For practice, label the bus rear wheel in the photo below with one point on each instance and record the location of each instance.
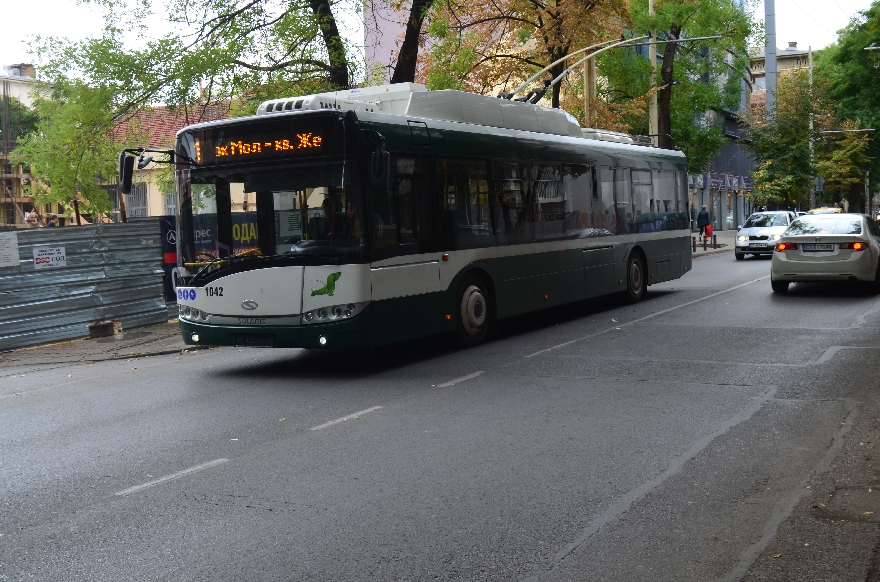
(474, 313)
(635, 278)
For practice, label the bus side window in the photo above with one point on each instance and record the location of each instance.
(622, 201)
(550, 199)
(383, 222)
(681, 201)
(577, 181)
(508, 203)
(665, 196)
(412, 192)
(604, 214)
(464, 187)
(403, 169)
(643, 203)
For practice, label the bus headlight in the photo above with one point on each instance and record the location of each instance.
(333, 313)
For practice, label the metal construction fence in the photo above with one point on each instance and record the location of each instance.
(54, 282)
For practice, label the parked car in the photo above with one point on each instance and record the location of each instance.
(827, 247)
(760, 232)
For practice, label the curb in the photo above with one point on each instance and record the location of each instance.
(707, 253)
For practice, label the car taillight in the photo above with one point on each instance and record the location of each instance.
(786, 247)
(854, 246)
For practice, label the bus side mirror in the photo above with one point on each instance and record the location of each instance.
(126, 172)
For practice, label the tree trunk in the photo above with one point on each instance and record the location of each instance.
(664, 97)
(855, 198)
(407, 58)
(338, 73)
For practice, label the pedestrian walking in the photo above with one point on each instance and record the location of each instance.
(703, 220)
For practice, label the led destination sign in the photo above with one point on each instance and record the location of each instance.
(241, 148)
(264, 140)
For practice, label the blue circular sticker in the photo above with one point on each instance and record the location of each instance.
(192, 294)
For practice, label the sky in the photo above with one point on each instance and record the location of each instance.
(807, 22)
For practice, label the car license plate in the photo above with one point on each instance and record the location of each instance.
(757, 245)
(814, 248)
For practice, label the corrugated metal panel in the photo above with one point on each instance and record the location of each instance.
(114, 271)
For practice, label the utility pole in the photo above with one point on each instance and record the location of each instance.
(653, 123)
(813, 191)
(770, 53)
(589, 91)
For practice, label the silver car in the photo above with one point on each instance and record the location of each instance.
(827, 247)
(760, 232)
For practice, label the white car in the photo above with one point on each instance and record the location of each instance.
(760, 232)
(827, 247)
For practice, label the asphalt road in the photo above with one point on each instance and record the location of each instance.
(714, 431)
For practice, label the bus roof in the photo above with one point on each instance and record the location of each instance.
(415, 101)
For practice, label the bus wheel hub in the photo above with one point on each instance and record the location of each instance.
(473, 310)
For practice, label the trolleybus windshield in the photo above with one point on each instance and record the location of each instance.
(297, 209)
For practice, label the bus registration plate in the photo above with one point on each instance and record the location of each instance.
(818, 248)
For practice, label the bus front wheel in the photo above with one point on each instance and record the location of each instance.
(474, 314)
(635, 278)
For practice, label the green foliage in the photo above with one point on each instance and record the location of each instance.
(451, 57)
(853, 77)
(844, 158)
(72, 151)
(701, 77)
(22, 121)
(780, 143)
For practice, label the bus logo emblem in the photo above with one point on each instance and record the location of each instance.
(330, 288)
(249, 304)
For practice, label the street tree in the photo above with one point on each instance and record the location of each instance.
(16, 120)
(694, 79)
(780, 140)
(483, 47)
(843, 159)
(72, 150)
(852, 75)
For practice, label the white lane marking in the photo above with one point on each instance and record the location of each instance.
(344, 418)
(171, 477)
(457, 380)
(604, 331)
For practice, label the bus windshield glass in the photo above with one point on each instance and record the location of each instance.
(297, 211)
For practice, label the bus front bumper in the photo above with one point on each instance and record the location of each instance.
(345, 335)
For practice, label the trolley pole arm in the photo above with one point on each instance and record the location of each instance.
(505, 95)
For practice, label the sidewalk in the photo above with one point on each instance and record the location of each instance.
(151, 340)
(724, 238)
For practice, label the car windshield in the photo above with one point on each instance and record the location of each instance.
(760, 220)
(825, 224)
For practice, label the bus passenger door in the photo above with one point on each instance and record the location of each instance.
(598, 271)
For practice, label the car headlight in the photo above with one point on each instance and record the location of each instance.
(775, 236)
(742, 238)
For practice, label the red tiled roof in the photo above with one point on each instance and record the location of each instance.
(157, 127)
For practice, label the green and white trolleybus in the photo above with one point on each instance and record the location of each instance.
(360, 218)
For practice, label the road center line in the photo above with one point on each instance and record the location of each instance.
(641, 319)
(171, 477)
(457, 380)
(344, 418)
